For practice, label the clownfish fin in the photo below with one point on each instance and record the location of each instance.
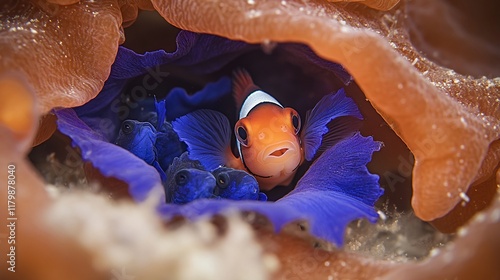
(161, 112)
(207, 134)
(330, 107)
(242, 86)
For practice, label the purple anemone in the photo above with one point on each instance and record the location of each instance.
(336, 189)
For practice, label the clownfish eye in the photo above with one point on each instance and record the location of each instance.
(182, 177)
(128, 127)
(242, 135)
(296, 121)
(223, 180)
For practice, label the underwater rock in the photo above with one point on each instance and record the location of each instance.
(472, 255)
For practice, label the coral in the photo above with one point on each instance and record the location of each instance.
(447, 120)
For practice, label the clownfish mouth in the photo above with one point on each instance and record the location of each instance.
(278, 152)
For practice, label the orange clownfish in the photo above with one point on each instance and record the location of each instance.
(271, 141)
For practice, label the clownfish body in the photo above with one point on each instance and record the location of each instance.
(271, 141)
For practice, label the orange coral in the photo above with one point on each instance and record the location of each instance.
(447, 120)
(31, 201)
(383, 5)
(451, 122)
(16, 106)
(77, 55)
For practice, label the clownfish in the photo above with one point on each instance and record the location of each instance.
(271, 141)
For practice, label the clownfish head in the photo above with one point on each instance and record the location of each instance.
(269, 143)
